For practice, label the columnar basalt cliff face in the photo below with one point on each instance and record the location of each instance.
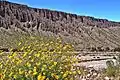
(85, 31)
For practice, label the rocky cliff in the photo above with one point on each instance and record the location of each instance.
(84, 31)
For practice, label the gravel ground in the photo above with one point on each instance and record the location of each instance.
(95, 62)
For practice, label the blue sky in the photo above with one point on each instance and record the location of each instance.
(106, 9)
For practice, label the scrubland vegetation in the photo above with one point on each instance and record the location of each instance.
(43, 58)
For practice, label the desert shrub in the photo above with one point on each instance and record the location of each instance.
(93, 49)
(117, 49)
(118, 65)
(118, 60)
(99, 49)
(41, 59)
(112, 69)
(107, 49)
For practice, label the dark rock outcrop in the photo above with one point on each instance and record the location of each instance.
(48, 20)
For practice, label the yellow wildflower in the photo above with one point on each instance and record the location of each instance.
(20, 71)
(79, 72)
(56, 77)
(38, 64)
(35, 73)
(43, 77)
(47, 79)
(28, 64)
(42, 69)
(40, 77)
(34, 69)
(55, 63)
(29, 71)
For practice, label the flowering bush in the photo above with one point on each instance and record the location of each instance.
(40, 59)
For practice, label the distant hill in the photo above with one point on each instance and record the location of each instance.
(84, 32)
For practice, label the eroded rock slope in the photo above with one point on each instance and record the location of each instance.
(83, 31)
